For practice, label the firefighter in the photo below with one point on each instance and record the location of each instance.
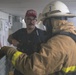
(58, 55)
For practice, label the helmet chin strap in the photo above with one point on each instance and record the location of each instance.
(49, 30)
(48, 25)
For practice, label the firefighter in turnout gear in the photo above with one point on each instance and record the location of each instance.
(57, 55)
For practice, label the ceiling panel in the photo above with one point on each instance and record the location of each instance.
(19, 7)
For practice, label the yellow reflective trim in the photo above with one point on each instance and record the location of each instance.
(15, 56)
(69, 69)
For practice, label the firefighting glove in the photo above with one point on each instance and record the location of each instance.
(3, 51)
(6, 49)
(1, 54)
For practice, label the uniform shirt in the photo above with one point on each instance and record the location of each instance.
(29, 43)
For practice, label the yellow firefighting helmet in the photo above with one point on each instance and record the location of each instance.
(55, 9)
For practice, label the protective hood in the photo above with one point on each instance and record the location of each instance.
(63, 25)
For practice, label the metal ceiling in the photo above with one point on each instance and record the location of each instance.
(19, 7)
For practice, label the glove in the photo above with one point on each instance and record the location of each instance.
(1, 54)
(3, 51)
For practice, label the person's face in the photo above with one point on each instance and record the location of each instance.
(49, 24)
(30, 21)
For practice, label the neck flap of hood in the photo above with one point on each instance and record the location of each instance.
(63, 25)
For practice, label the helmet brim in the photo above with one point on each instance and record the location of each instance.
(68, 15)
(62, 14)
